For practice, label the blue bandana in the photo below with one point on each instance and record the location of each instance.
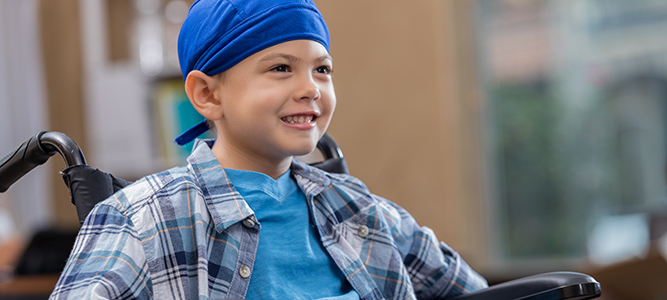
(218, 34)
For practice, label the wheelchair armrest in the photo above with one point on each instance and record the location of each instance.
(88, 186)
(551, 286)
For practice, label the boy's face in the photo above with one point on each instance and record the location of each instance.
(278, 102)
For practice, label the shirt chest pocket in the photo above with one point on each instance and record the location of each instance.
(367, 234)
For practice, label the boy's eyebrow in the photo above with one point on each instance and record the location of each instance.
(292, 58)
(325, 57)
(277, 56)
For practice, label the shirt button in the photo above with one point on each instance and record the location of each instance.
(363, 231)
(248, 222)
(244, 272)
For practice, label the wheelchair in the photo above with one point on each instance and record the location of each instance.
(88, 186)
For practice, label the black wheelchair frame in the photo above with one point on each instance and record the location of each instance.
(88, 186)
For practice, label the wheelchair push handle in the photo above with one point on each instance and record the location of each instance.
(36, 151)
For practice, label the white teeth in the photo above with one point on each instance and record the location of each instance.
(298, 119)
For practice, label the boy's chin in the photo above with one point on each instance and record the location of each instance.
(300, 148)
(304, 151)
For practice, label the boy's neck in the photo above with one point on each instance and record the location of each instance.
(233, 158)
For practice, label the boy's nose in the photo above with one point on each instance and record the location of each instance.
(308, 90)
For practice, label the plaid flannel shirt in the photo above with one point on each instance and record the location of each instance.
(186, 233)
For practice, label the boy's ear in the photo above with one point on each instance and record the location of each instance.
(200, 89)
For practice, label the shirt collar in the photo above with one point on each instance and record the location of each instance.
(223, 201)
(311, 180)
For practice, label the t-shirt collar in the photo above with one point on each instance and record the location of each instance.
(223, 201)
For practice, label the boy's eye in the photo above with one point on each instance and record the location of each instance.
(324, 70)
(280, 68)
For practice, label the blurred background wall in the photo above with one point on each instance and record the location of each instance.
(24, 110)
(530, 135)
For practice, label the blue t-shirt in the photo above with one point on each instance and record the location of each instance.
(291, 261)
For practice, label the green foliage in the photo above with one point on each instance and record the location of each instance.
(531, 171)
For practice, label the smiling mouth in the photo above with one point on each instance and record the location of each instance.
(298, 119)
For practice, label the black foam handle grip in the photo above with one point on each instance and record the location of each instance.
(22, 160)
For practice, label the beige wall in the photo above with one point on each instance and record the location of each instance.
(407, 116)
(61, 50)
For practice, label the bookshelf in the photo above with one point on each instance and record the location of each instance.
(172, 115)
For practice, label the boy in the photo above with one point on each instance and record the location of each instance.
(244, 219)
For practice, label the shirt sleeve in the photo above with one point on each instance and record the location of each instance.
(436, 270)
(107, 261)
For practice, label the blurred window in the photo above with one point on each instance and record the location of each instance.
(577, 123)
